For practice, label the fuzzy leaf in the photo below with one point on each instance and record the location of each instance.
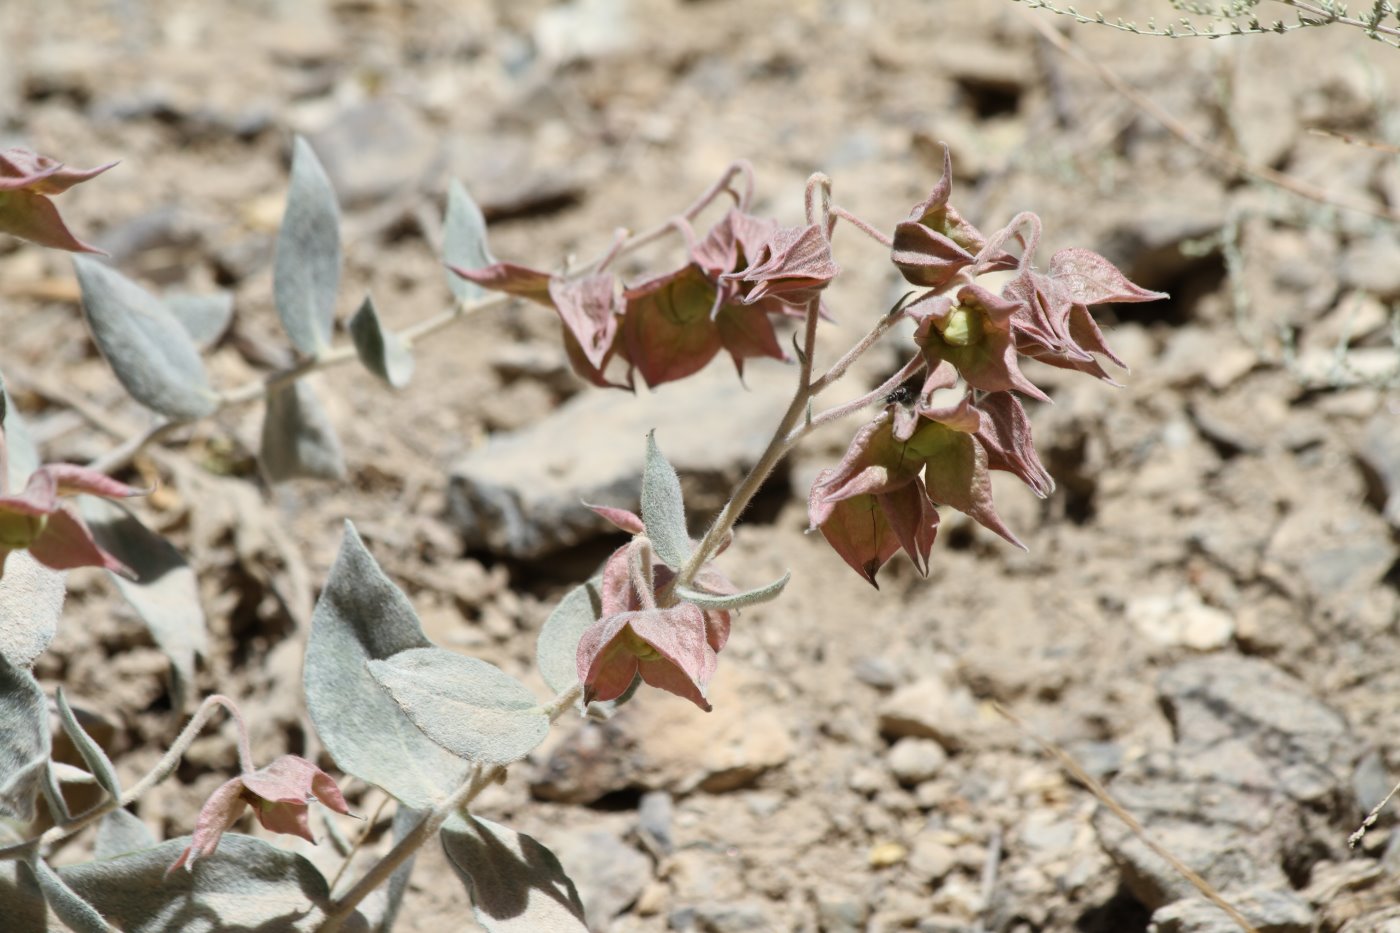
(464, 241)
(663, 510)
(150, 352)
(31, 600)
(77, 914)
(362, 616)
(298, 440)
(163, 589)
(556, 652)
(204, 317)
(120, 832)
(247, 885)
(667, 330)
(21, 900)
(306, 274)
(473, 709)
(93, 756)
(382, 351)
(753, 597)
(24, 741)
(516, 885)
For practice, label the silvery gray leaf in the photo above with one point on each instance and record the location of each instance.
(752, 597)
(204, 317)
(165, 593)
(362, 616)
(247, 884)
(464, 241)
(298, 441)
(556, 651)
(24, 741)
(663, 510)
(515, 883)
(150, 352)
(120, 832)
(99, 765)
(31, 600)
(21, 901)
(306, 271)
(69, 906)
(382, 351)
(473, 709)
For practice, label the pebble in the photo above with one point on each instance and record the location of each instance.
(931, 860)
(929, 708)
(913, 761)
(1181, 619)
(1379, 451)
(1270, 911)
(375, 149)
(885, 854)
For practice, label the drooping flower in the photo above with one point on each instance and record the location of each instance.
(883, 494)
(26, 181)
(794, 264)
(37, 520)
(974, 333)
(668, 648)
(936, 243)
(279, 793)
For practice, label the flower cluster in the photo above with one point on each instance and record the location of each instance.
(744, 275)
(883, 495)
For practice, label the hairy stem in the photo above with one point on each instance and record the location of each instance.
(837, 412)
(480, 778)
(162, 770)
(869, 230)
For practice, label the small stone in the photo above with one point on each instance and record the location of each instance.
(885, 854)
(931, 860)
(1379, 452)
(1372, 265)
(929, 708)
(652, 900)
(866, 780)
(914, 761)
(877, 672)
(1181, 619)
(654, 822)
(732, 918)
(376, 149)
(837, 914)
(1270, 911)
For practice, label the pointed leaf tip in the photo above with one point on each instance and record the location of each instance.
(663, 508)
(382, 352)
(306, 271)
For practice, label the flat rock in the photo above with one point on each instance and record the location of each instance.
(661, 742)
(609, 874)
(1270, 911)
(1260, 773)
(930, 708)
(1181, 619)
(521, 494)
(913, 760)
(376, 149)
(1379, 451)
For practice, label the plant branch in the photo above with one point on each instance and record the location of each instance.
(840, 411)
(838, 369)
(160, 772)
(121, 456)
(878, 236)
(480, 778)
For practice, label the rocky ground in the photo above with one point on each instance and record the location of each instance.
(1207, 616)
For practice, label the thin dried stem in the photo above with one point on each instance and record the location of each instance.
(1210, 150)
(1067, 762)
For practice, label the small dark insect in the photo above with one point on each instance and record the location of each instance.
(904, 394)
